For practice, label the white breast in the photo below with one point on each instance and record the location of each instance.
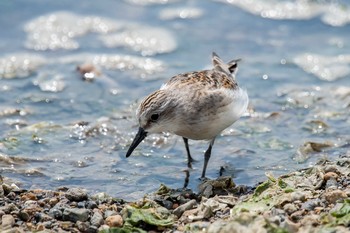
(207, 127)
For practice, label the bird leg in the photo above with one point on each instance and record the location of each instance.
(187, 178)
(207, 157)
(189, 157)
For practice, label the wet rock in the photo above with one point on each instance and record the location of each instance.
(182, 208)
(75, 214)
(221, 185)
(76, 194)
(96, 219)
(114, 221)
(24, 216)
(56, 213)
(91, 205)
(8, 222)
(334, 196)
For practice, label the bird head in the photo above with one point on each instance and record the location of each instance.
(155, 114)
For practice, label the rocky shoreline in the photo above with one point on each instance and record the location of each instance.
(316, 199)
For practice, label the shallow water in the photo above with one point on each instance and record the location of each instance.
(59, 130)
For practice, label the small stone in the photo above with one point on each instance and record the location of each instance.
(23, 215)
(297, 215)
(290, 226)
(331, 168)
(103, 227)
(83, 226)
(96, 219)
(330, 175)
(298, 196)
(9, 208)
(76, 194)
(42, 217)
(335, 195)
(2, 192)
(331, 183)
(7, 188)
(28, 196)
(40, 227)
(11, 195)
(75, 214)
(81, 204)
(289, 208)
(92, 229)
(109, 213)
(53, 201)
(7, 222)
(311, 204)
(182, 208)
(55, 213)
(91, 205)
(66, 225)
(310, 219)
(114, 221)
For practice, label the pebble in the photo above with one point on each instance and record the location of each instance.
(110, 213)
(76, 194)
(335, 195)
(114, 221)
(75, 214)
(91, 205)
(2, 192)
(97, 219)
(24, 216)
(289, 208)
(83, 226)
(298, 196)
(182, 208)
(56, 213)
(330, 175)
(7, 221)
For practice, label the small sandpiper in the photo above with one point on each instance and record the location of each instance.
(196, 105)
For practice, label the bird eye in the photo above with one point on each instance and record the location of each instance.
(154, 117)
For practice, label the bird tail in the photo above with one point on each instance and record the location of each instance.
(229, 68)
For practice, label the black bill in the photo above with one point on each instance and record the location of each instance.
(141, 134)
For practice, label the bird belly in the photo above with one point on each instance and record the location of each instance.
(207, 126)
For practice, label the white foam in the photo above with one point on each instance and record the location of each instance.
(19, 65)
(328, 68)
(149, 2)
(146, 40)
(333, 13)
(140, 65)
(58, 30)
(181, 13)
